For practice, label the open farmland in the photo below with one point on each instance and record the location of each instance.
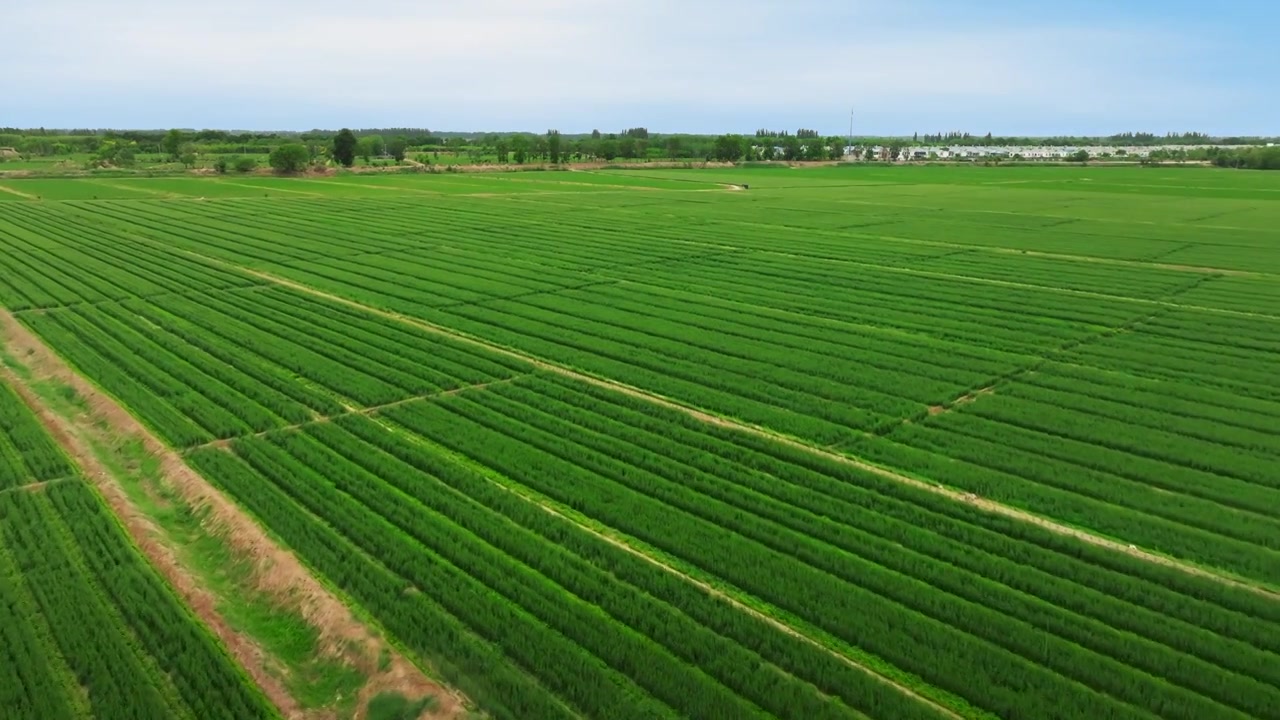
(890, 443)
(89, 629)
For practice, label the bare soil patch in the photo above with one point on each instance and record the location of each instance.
(277, 571)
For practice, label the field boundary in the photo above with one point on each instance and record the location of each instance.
(737, 604)
(38, 485)
(365, 411)
(620, 541)
(277, 570)
(19, 193)
(955, 495)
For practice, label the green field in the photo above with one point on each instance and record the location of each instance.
(87, 627)
(897, 442)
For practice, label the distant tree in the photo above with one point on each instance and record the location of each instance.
(553, 146)
(915, 137)
(869, 153)
(728, 148)
(365, 148)
(378, 146)
(116, 153)
(628, 147)
(608, 149)
(503, 150)
(595, 134)
(172, 143)
(344, 147)
(791, 149)
(188, 159)
(520, 148)
(1080, 156)
(290, 158)
(396, 147)
(672, 146)
(221, 165)
(246, 164)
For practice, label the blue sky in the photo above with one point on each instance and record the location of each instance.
(1075, 66)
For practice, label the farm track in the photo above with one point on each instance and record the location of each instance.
(730, 599)
(711, 419)
(19, 193)
(277, 571)
(1051, 215)
(1029, 286)
(365, 411)
(33, 486)
(1048, 255)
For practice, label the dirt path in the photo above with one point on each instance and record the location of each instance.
(366, 411)
(134, 188)
(276, 570)
(271, 188)
(19, 193)
(738, 605)
(31, 486)
(951, 494)
(1113, 221)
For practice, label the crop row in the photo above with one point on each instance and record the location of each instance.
(534, 241)
(51, 264)
(830, 563)
(1134, 355)
(229, 365)
(553, 614)
(767, 370)
(529, 446)
(96, 619)
(27, 453)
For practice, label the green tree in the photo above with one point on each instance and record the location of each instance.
(520, 148)
(553, 146)
(1080, 156)
(290, 158)
(672, 145)
(503, 150)
(728, 148)
(791, 149)
(246, 164)
(116, 153)
(221, 165)
(344, 147)
(172, 143)
(396, 147)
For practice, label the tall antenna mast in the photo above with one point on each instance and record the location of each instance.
(851, 128)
